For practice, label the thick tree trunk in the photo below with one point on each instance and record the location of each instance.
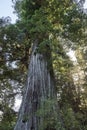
(39, 88)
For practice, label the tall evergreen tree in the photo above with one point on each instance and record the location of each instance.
(33, 42)
(43, 20)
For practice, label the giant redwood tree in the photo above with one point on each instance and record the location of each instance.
(44, 21)
(38, 105)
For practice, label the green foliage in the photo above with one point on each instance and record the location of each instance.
(46, 21)
(8, 119)
(39, 23)
(49, 115)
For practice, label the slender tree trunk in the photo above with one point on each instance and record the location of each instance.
(39, 88)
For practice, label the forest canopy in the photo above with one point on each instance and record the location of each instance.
(44, 35)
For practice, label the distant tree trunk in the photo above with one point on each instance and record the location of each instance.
(40, 87)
